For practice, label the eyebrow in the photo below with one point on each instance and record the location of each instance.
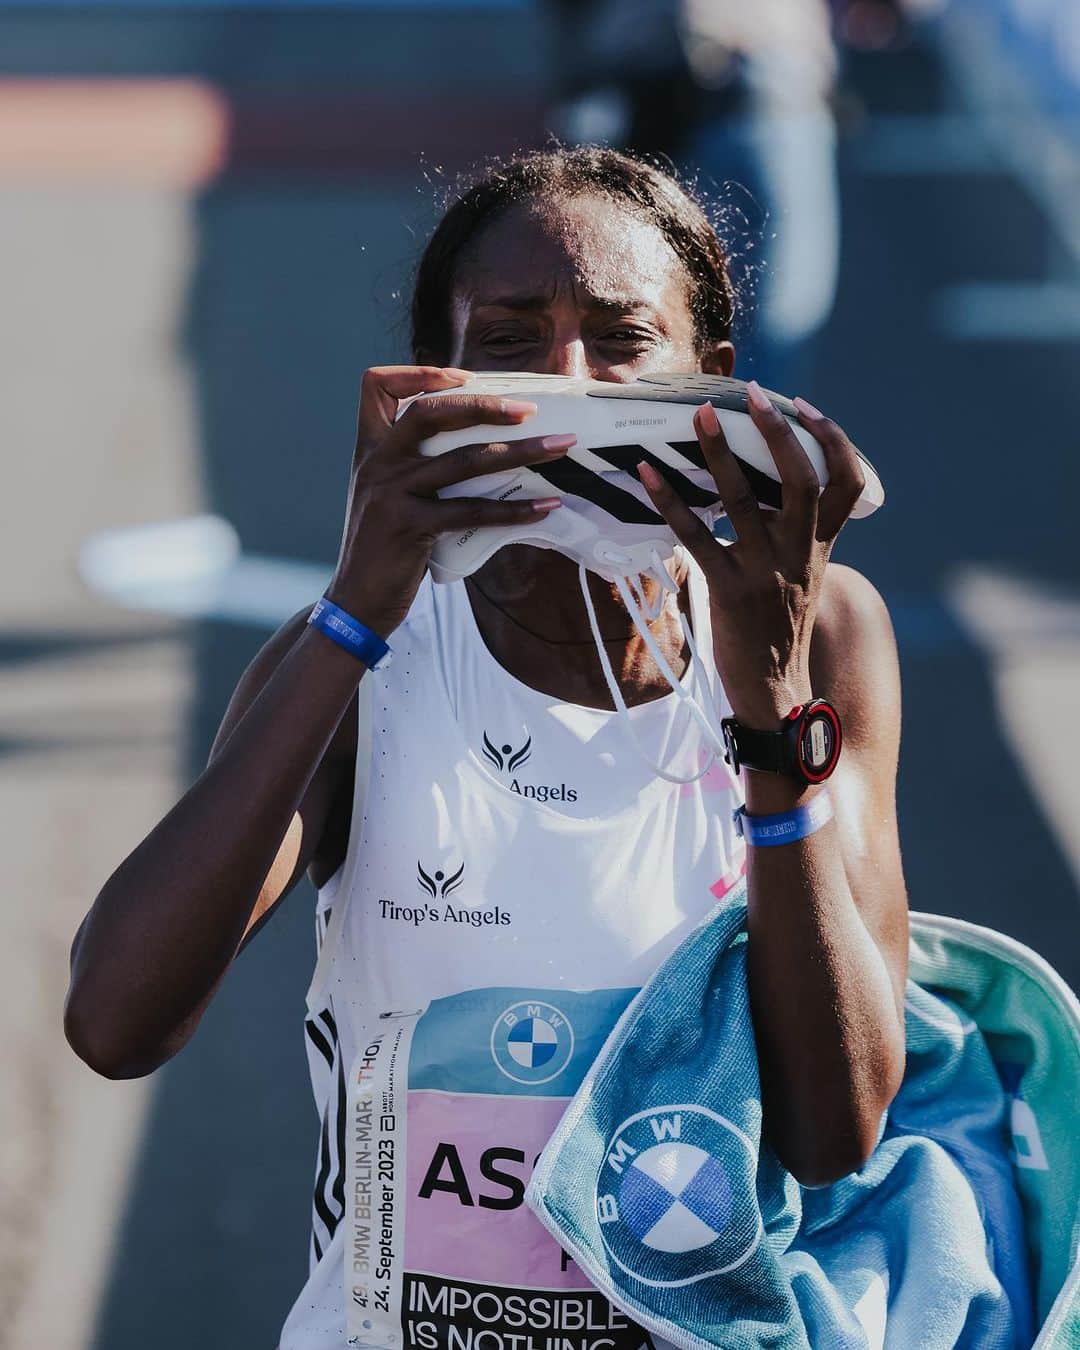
(534, 303)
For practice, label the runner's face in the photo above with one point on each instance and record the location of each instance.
(581, 288)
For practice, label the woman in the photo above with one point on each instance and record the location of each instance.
(567, 867)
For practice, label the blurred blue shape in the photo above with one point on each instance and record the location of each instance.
(1043, 43)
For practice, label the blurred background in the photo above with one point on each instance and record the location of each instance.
(208, 223)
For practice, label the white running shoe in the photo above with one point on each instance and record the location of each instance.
(607, 522)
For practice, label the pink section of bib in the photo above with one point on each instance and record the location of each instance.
(470, 1158)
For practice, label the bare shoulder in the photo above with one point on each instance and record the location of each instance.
(853, 663)
(851, 607)
(853, 659)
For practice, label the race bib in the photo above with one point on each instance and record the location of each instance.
(448, 1109)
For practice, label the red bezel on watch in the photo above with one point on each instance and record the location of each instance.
(815, 738)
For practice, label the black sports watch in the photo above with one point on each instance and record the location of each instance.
(806, 748)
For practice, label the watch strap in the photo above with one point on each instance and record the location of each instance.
(767, 750)
(806, 747)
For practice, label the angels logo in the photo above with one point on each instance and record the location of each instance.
(666, 1196)
(507, 757)
(508, 760)
(532, 1042)
(440, 885)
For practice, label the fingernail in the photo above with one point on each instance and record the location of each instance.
(709, 419)
(648, 475)
(545, 503)
(808, 409)
(757, 397)
(456, 374)
(556, 444)
(514, 407)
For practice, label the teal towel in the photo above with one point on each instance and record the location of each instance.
(658, 1183)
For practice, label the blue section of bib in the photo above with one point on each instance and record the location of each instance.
(513, 1042)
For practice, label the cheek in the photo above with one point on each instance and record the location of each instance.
(668, 356)
(683, 353)
(682, 341)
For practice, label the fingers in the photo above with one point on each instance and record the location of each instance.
(427, 417)
(689, 529)
(846, 477)
(473, 513)
(736, 494)
(383, 386)
(472, 461)
(798, 478)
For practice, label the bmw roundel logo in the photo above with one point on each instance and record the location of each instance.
(665, 1196)
(532, 1041)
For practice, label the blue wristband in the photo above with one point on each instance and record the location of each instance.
(356, 638)
(786, 828)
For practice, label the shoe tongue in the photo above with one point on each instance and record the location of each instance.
(629, 590)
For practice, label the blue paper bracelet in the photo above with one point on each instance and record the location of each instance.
(356, 638)
(786, 828)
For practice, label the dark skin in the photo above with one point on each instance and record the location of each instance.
(579, 287)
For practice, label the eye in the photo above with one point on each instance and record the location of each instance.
(629, 337)
(504, 339)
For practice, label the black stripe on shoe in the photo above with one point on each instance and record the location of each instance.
(765, 489)
(576, 480)
(628, 457)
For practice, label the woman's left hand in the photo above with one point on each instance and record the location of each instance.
(764, 588)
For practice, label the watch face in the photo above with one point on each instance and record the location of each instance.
(819, 742)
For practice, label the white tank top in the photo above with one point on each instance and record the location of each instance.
(516, 875)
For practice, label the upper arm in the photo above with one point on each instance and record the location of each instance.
(311, 840)
(853, 663)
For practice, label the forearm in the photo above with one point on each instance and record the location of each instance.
(168, 922)
(826, 964)
(827, 1023)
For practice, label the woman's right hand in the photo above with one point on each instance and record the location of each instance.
(394, 516)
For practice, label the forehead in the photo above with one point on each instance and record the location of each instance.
(594, 246)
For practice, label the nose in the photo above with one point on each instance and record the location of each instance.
(567, 356)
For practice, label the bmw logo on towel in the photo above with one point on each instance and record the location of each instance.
(665, 1196)
(532, 1042)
